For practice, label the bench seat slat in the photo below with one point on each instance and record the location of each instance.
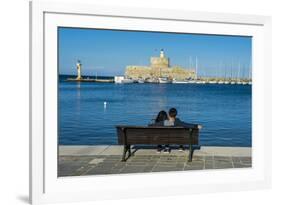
(156, 135)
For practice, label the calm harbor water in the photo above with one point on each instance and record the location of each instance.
(223, 110)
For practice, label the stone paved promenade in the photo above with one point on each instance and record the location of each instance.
(98, 160)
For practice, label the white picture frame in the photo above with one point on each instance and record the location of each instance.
(46, 187)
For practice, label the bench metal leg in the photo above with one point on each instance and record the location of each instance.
(127, 148)
(124, 153)
(190, 153)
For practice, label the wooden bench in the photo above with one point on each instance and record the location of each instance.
(151, 135)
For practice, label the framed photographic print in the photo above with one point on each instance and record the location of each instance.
(129, 102)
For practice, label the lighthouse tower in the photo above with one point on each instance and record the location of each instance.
(79, 68)
(159, 62)
(162, 53)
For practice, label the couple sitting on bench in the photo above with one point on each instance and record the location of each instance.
(164, 119)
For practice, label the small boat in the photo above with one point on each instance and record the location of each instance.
(164, 80)
(127, 80)
(191, 81)
(220, 82)
(140, 81)
(150, 80)
(180, 81)
(226, 82)
(232, 82)
(212, 82)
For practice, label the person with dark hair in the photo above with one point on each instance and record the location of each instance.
(174, 121)
(159, 121)
(161, 117)
(172, 117)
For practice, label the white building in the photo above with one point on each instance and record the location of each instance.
(118, 79)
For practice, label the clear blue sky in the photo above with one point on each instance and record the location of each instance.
(108, 52)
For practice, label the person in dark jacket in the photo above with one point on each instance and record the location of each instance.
(174, 121)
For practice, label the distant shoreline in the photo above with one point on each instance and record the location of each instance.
(85, 76)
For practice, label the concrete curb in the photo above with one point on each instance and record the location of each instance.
(81, 150)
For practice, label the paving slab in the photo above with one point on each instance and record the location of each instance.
(224, 151)
(102, 160)
(81, 150)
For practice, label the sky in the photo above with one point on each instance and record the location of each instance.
(108, 52)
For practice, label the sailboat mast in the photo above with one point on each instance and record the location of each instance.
(249, 75)
(238, 76)
(196, 67)
(231, 70)
(225, 71)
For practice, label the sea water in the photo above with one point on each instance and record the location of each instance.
(89, 112)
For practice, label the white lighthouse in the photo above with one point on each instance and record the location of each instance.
(79, 68)
(162, 53)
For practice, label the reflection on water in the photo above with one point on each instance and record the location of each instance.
(84, 118)
(78, 97)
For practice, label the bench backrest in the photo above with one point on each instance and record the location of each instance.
(131, 135)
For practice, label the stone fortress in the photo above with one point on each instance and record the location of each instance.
(159, 67)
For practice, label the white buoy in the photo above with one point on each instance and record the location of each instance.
(104, 104)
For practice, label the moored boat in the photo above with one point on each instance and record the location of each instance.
(179, 81)
(151, 80)
(127, 80)
(212, 82)
(164, 80)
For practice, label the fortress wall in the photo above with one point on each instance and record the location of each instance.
(145, 72)
(158, 62)
(136, 72)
